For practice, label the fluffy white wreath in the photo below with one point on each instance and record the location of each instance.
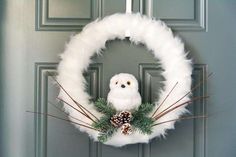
(157, 37)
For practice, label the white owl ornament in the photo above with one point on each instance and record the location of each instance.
(124, 94)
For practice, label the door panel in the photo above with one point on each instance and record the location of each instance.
(184, 15)
(57, 138)
(34, 33)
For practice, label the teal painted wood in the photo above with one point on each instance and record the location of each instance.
(50, 133)
(207, 28)
(184, 15)
(2, 10)
(62, 15)
(65, 15)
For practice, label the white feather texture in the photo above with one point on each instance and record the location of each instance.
(157, 37)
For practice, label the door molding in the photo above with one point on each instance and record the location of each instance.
(43, 71)
(147, 73)
(150, 71)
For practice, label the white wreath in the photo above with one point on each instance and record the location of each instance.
(157, 37)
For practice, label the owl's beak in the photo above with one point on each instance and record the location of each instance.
(122, 86)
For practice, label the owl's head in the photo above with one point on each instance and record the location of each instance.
(124, 81)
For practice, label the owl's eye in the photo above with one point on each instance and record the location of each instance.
(128, 83)
(116, 82)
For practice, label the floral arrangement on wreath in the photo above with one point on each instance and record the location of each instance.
(123, 119)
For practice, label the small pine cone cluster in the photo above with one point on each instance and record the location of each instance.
(122, 120)
(126, 129)
(116, 121)
(123, 117)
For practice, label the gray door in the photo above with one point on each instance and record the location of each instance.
(33, 34)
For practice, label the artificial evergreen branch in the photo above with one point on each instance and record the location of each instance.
(102, 107)
(139, 119)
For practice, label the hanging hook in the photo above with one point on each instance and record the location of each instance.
(128, 11)
(128, 6)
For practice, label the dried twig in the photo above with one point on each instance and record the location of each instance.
(182, 104)
(65, 113)
(83, 109)
(159, 106)
(182, 118)
(192, 89)
(49, 115)
(66, 103)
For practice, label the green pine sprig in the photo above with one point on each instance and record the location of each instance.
(104, 124)
(102, 107)
(140, 121)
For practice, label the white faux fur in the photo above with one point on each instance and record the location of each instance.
(159, 40)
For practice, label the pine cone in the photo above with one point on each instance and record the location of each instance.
(116, 120)
(126, 129)
(125, 116)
